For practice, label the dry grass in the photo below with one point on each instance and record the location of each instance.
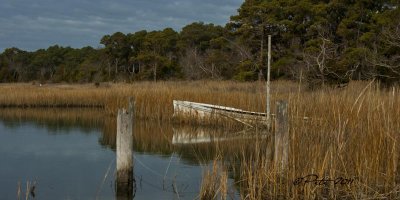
(153, 100)
(215, 182)
(353, 133)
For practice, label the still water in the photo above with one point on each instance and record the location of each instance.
(71, 155)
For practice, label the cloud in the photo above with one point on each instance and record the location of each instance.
(31, 25)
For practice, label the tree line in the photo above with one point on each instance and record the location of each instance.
(319, 41)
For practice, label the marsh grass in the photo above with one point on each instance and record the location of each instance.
(352, 132)
(215, 182)
(153, 100)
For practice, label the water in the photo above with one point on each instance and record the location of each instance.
(72, 156)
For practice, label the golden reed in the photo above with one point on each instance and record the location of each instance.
(349, 149)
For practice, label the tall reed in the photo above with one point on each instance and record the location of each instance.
(351, 138)
(215, 182)
(352, 132)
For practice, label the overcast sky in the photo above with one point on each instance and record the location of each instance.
(35, 24)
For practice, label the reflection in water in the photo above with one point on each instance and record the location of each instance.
(56, 119)
(125, 185)
(68, 164)
(196, 135)
(60, 149)
(149, 137)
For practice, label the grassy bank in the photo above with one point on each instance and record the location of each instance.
(153, 100)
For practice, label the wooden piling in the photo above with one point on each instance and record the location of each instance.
(124, 155)
(281, 135)
(268, 97)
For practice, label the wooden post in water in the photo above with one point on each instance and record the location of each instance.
(281, 135)
(125, 180)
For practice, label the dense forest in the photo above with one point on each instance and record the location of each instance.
(320, 41)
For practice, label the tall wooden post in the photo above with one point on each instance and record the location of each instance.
(268, 109)
(260, 72)
(281, 135)
(125, 180)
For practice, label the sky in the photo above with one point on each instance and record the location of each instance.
(34, 24)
